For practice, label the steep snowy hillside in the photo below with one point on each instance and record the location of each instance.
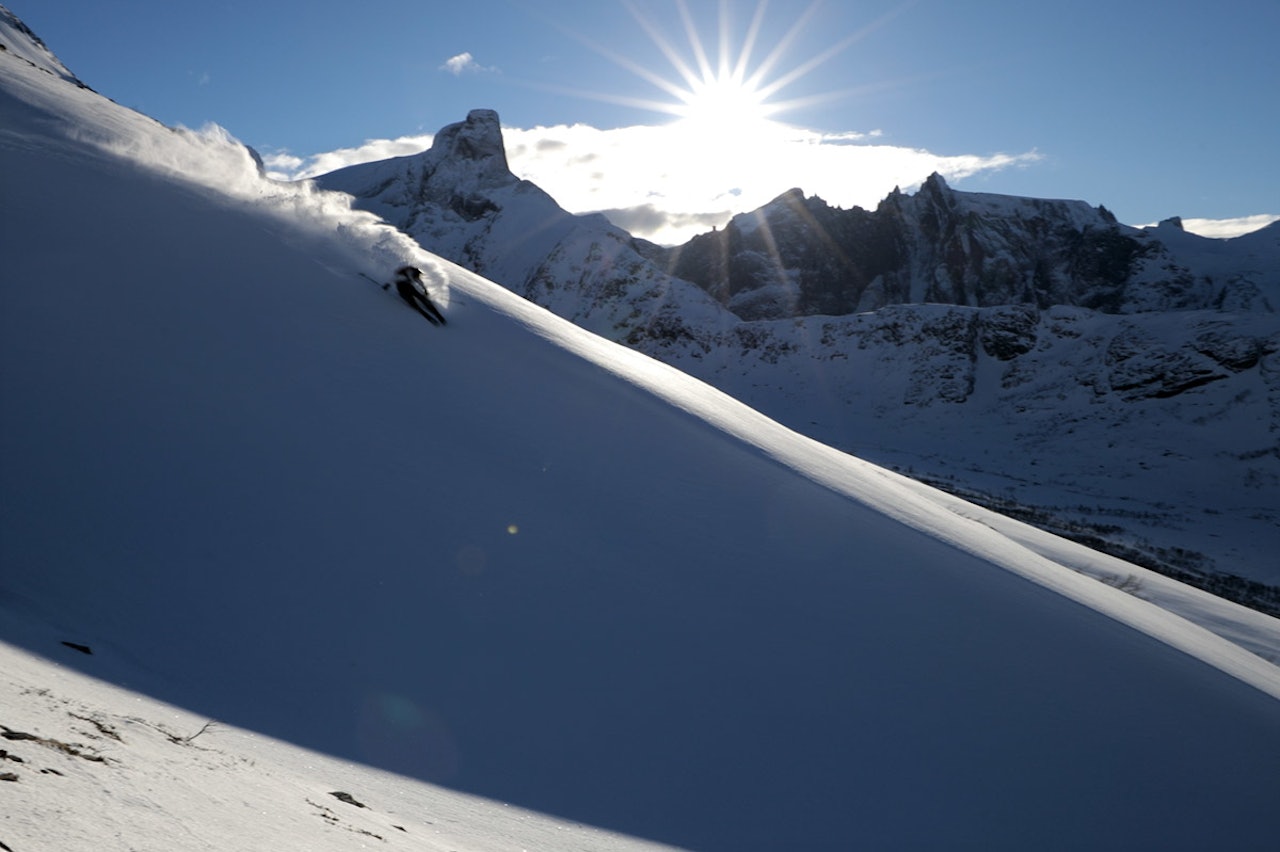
(91, 767)
(1150, 435)
(515, 560)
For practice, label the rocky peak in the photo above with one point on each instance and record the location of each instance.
(478, 139)
(790, 198)
(782, 208)
(935, 186)
(460, 176)
(474, 146)
(798, 256)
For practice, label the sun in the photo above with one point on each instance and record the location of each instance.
(728, 96)
(740, 89)
(727, 75)
(723, 102)
(736, 88)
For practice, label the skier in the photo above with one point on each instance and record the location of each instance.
(413, 290)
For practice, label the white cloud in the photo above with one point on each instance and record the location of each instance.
(1227, 228)
(667, 183)
(462, 64)
(637, 173)
(282, 165)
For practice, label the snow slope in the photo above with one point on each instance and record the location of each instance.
(1124, 430)
(1148, 433)
(158, 777)
(17, 39)
(519, 561)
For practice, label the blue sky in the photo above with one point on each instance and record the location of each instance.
(1151, 108)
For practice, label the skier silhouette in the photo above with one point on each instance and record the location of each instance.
(413, 290)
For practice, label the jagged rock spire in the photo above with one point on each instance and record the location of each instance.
(477, 143)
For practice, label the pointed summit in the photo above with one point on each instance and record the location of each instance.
(795, 195)
(936, 182)
(477, 140)
(935, 186)
(458, 174)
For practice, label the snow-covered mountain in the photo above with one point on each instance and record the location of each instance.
(1113, 384)
(460, 198)
(798, 256)
(519, 566)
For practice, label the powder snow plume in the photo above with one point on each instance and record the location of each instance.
(213, 159)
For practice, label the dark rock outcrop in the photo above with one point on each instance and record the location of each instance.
(799, 256)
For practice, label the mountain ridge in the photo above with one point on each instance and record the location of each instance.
(1033, 285)
(798, 256)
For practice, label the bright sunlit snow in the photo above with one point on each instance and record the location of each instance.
(506, 566)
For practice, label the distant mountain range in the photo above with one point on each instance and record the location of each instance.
(1117, 385)
(799, 256)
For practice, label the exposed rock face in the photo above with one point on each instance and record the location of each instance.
(795, 256)
(1141, 368)
(477, 140)
(1008, 332)
(798, 256)
(454, 182)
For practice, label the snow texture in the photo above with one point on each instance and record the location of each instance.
(512, 559)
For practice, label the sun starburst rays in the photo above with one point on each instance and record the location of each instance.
(721, 86)
(719, 83)
(725, 95)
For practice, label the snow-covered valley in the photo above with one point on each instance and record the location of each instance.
(507, 584)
